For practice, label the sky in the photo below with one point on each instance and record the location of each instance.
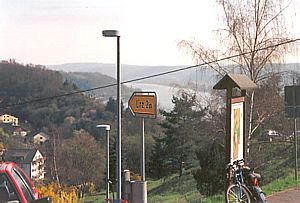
(52, 32)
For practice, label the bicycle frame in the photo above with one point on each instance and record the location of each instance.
(239, 179)
(243, 182)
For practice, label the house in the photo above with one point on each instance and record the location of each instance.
(38, 138)
(30, 160)
(6, 118)
(19, 131)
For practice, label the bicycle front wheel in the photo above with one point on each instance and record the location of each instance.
(237, 194)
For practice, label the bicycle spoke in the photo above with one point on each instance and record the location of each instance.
(237, 194)
(233, 195)
(244, 198)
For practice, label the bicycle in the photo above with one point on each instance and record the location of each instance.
(243, 187)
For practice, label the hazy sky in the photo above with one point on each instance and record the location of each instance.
(56, 31)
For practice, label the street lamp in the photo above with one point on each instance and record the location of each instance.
(115, 33)
(107, 128)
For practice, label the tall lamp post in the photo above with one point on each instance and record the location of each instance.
(107, 128)
(115, 33)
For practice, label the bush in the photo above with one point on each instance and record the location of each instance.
(64, 194)
(210, 177)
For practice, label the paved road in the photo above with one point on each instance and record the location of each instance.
(289, 196)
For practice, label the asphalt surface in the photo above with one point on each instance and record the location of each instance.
(289, 196)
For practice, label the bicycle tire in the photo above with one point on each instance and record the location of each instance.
(259, 195)
(237, 194)
(262, 198)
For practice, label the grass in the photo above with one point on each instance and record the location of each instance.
(174, 189)
(281, 184)
(277, 171)
(98, 197)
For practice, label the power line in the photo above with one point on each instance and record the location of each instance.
(149, 76)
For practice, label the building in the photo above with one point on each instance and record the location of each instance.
(6, 118)
(38, 138)
(30, 160)
(19, 131)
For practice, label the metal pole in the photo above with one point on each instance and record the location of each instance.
(143, 151)
(115, 33)
(119, 138)
(107, 129)
(143, 176)
(107, 166)
(296, 156)
(295, 132)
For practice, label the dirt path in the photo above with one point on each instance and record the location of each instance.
(289, 196)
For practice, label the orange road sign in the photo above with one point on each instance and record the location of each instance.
(143, 104)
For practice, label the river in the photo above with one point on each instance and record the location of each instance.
(164, 93)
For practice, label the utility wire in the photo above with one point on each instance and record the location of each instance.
(149, 76)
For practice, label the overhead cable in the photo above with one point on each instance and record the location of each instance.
(147, 77)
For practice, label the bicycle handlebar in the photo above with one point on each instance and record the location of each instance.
(236, 163)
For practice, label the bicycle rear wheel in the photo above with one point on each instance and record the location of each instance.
(262, 198)
(237, 194)
(259, 195)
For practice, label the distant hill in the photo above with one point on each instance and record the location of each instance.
(89, 75)
(129, 72)
(89, 80)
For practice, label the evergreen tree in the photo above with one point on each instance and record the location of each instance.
(210, 177)
(183, 128)
(157, 167)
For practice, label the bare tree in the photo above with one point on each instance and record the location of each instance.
(255, 32)
(55, 136)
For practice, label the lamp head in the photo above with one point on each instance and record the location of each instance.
(107, 127)
(110, 33)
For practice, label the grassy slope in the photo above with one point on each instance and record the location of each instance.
(177, 189)
(171, 191)
(174, 189)
(277, 172)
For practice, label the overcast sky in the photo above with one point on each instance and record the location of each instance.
(55, 31)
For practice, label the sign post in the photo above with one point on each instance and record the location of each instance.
(143, 104)
(292, 109)
(236, 86)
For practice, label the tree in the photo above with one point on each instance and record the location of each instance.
(184, 126)
(253, 31)
(80, 160)
(112, 105)
(269, 102)
(156, 167)
(210, 175)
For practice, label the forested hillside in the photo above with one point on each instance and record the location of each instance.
(34, 94)
(44, 101)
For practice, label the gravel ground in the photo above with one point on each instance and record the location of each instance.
(289, 196)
